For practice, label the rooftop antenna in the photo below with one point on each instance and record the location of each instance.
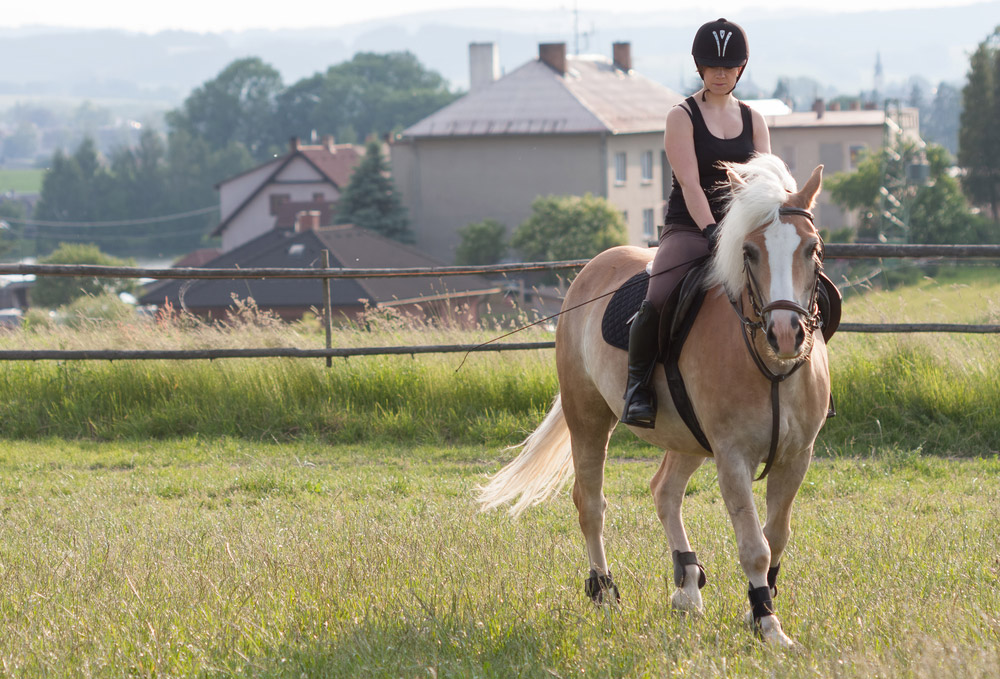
(576, 29)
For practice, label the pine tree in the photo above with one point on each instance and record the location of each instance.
(371, 201)
(979, 136)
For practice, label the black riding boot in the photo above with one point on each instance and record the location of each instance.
(643, 348)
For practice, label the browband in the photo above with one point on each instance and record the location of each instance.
(797, 211)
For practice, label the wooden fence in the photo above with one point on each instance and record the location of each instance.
(326, 274)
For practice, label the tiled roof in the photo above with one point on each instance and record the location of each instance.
(350, 247)
(591, 97)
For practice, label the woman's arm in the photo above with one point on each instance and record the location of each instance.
(761, 135)
(678, 142)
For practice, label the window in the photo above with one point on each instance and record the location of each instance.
(647, 166)
(856, 152)
(648, 226)
(277, 199)
(620, 168)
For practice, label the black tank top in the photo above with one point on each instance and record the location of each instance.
(710, 150)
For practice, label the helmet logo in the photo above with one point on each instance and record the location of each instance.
(722, 41)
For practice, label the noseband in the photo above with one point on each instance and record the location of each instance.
(811, 320)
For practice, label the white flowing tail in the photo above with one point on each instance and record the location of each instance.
(544, 464)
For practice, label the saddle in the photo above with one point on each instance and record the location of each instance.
(677, 318)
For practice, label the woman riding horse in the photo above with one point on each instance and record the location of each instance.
(698, 137)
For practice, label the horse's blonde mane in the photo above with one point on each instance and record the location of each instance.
(767, 185)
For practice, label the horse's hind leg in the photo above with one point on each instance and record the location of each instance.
(590, 424)
(668, 486)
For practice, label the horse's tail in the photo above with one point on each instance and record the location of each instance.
(544, 464)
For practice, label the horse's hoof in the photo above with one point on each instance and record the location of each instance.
(602, 589)
(683, 602)
(768, 629)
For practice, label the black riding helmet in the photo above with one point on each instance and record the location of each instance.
(720, 43)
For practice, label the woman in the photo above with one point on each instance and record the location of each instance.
(708, 127)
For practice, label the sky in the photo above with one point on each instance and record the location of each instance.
(218, 15)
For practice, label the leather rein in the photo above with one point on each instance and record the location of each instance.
(749, 328)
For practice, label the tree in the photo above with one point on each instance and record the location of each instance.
(979, 135)
(54, 291)
(569, 227)
(372, 94)
(238, 106)
(937, 212)
(940, 122)
(482, 243)
(371, 200)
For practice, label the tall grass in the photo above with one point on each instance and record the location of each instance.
(936, 393)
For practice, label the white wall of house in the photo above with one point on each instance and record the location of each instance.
(837, 148)
(447, 183)
(234, 191)
(639, 193)
(299, 180)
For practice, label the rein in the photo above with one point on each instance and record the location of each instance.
(812, 322)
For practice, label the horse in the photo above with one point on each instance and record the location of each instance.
(756, 329)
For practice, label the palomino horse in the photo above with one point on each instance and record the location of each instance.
(763, 276)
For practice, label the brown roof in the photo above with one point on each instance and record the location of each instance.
(591, 97)
(289, 210)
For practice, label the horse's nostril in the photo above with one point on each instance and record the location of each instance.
(772, 339)
(800, 335)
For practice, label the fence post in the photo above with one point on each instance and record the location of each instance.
(327, 310)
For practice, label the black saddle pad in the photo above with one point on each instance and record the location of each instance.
(623, 305)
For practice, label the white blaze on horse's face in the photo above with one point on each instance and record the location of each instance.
(785, 331)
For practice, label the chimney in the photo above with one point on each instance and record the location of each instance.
(307, 220)
(293, 144)
(553, 55)
(621, 55)
(819, 106)
(835, 106)
(328, 142)
(484, 64)
(855, 104)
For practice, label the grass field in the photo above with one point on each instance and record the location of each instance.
(21, 181)
(219, 558)
(276, 518)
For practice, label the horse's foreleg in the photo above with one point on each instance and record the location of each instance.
(783, 483)
(735, 477)
(668, 486)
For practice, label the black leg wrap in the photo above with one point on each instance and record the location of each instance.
(761, 604)
(772, 579)
(682, 559)
(601, 588)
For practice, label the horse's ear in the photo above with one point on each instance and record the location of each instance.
(811, 189)
(734, 179)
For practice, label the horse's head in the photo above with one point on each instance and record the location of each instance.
(770, 250)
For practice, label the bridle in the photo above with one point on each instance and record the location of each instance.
(811, 320)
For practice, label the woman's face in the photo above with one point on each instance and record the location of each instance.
(719, 80)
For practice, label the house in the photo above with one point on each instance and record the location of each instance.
(560, 124)
(349, 247)
(836, 139)
(308, 178)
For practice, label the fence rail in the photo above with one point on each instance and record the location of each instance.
(325, 273)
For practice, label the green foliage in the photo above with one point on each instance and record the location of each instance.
(569, 227)
(371, 201)
(237, 106)
(979, 136)
(53, 291)
(372, 94)
(934, 213)
(482, 243)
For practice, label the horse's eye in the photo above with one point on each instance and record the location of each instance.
(750, 254)
(817, 252)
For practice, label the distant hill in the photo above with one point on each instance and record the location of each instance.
(837, 50)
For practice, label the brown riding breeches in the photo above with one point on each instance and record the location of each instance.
(681, 247)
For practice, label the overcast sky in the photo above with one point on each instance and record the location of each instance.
(216, 15)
